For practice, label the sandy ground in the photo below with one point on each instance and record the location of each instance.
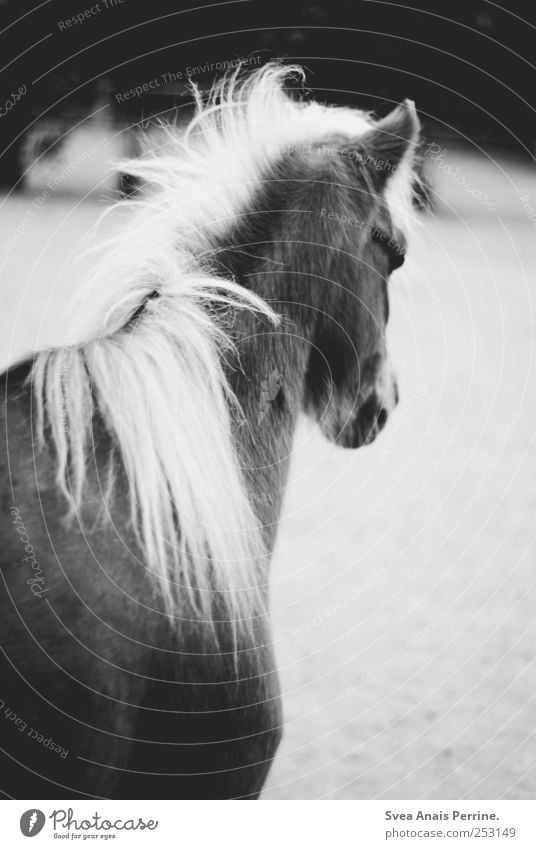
(403, 583)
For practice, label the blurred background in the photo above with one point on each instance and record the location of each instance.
(403, 582)
(468, 65)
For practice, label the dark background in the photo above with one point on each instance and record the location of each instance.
(466, 64)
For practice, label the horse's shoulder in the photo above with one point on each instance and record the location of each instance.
(15, 390)
(24, 467)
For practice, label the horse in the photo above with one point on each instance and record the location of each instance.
(144, 465)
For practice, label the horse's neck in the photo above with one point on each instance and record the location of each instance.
(269, 384)
(264, 255)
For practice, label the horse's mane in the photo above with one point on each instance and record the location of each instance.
(152, 364)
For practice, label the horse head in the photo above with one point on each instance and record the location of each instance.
(351, 388)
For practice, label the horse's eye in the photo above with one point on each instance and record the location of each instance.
(397, 256)
(394, 246)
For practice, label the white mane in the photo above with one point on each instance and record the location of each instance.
(158, 382)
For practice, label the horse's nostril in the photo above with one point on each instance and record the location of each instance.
(381, 418)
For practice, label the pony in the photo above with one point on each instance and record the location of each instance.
(144, 466)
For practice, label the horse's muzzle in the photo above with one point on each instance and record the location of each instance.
(376, 405)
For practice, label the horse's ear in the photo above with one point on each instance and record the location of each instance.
(386, 145)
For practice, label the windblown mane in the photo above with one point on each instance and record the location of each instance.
(151, 365)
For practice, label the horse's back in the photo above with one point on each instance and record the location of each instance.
(101, 694)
